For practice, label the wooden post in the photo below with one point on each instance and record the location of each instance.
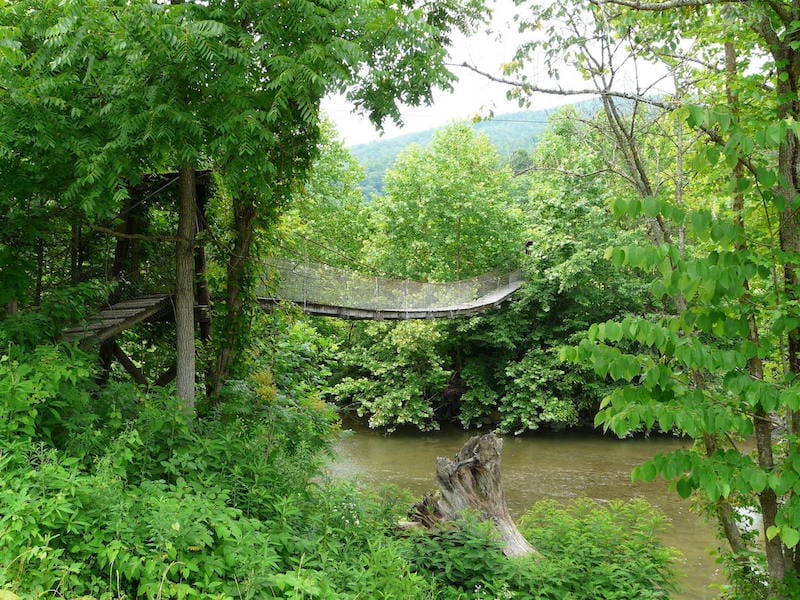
(75, 258)
(106, 358)
(126, 267)
(167, 376)
(134, 371)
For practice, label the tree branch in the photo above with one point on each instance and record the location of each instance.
(684, 58)
(530, 89)
(576, 175)
(667, 5)
(781, 11)
(133, 236)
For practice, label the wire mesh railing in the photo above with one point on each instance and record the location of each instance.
(304, 281)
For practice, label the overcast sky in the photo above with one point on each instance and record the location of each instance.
(472, 95)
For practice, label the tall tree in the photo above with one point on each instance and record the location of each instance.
(446, 214)
(327, 218)
(717, 368)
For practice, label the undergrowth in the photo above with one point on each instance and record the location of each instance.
(113, 493)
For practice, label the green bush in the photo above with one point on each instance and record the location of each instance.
(596, 551)
(117, 492)
(394, 375)
(465, 555)
(588, 552)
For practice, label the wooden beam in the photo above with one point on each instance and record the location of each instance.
(134, 371)
(202, 292)
(167, 376)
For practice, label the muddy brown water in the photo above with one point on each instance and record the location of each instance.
(560, 467)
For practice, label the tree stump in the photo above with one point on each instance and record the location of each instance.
(472, 482)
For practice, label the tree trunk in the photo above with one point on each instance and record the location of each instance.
(184, 287)
(201, 265)
(37, 295)
(781, 559)
(472, 482)
(232, 331)
(126, 267)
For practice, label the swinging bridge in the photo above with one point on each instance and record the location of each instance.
(323, 290)
(318, 289)
(327, 291)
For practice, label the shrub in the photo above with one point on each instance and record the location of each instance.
(601, 552)
(588, 552)
(463, 555)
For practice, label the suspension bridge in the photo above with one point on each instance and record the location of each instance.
(323, 290)
(327, 291)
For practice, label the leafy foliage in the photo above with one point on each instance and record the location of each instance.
(465, 555)
(446, 214)
(394, 374)
(327, 221)
(502, 368)
(613, 545)
(588, 551)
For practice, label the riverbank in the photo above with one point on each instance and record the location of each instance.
(560, 466)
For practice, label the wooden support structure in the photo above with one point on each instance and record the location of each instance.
(167, 376)
(202, 293)
(134, 371)
(115, 319)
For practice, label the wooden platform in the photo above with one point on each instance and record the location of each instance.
(490, 301)
(109, 322)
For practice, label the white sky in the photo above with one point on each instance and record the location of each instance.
(472, 94)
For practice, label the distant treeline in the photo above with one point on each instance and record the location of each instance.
(508, 132)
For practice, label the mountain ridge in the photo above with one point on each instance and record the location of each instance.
(519, 130)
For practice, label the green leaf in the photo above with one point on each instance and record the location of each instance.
(766, 177)
(684, 488)
(651, 206)
(645, 472)
(790, 398)
(772, 531)
(613, 331)
(697, 116)
(775, 134)
(757, 480)
(701, 221)
(790, 536)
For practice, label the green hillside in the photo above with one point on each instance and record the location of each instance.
(508, 132)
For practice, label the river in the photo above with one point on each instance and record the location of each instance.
(561, 467)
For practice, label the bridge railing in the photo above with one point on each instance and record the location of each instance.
(315, 283)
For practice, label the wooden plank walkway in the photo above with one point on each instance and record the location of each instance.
(493, 299)
(108, 323)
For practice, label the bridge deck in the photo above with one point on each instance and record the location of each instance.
(491, 300)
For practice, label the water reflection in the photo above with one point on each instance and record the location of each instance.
(560, 466)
